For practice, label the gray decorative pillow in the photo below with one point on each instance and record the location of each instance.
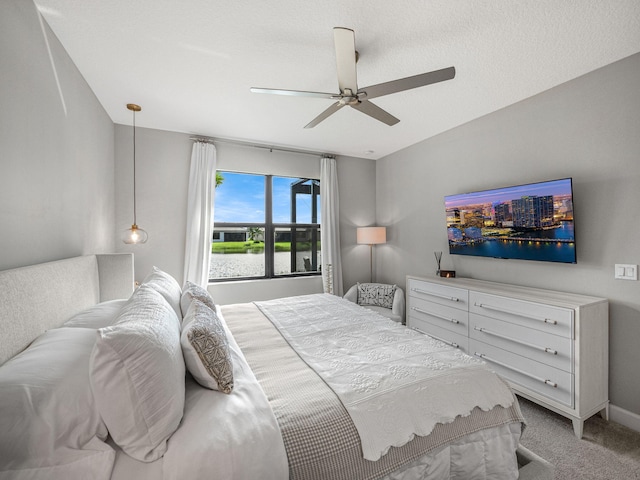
(206, 349)
(190, 291)
(376, 294)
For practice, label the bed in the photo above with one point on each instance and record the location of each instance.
(80, 397)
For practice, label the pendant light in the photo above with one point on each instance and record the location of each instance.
(135, 234)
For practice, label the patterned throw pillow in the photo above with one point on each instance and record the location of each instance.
(206, 349)
(376, 294)
(192, 291)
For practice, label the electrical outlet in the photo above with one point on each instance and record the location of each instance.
(626, 272)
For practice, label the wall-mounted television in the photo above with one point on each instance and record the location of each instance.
(526, 222)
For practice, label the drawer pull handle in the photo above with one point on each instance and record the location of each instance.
(517, 340)
(550, 321)
(431, 314)
(446, 297)
(517, 370)
(451, 344)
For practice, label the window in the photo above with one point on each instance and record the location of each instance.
(265, 226)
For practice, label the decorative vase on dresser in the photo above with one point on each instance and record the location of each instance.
(552, 347)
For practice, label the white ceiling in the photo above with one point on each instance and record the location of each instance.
(190, 63)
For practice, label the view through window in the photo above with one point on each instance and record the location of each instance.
(265, 226)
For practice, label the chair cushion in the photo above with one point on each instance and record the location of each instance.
(376, 294)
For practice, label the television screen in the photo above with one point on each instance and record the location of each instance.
(526, 222)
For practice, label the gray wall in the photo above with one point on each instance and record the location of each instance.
(162, 170)
(357, 179)
(588, 129)
(56, 148)
(162, 177)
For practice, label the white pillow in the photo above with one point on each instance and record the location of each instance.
(50, 427)
(167, 286)
(100, 315)
(138, 374)
(192, 291)
(205, 348)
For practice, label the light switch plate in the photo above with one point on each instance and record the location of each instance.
(626, 272)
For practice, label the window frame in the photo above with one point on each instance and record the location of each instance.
(270, 228)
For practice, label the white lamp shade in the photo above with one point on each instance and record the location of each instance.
(371, 235)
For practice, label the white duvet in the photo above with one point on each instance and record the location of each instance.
(394, 382)
(221, 436)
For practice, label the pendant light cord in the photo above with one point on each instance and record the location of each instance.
(134, 234)
(134, 168)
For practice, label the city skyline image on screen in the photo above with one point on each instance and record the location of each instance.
(527, 222)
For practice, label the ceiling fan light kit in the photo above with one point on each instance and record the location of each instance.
(350, 95)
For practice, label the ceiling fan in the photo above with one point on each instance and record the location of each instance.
(350, 94)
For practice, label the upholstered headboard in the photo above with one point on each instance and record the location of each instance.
(39, 297)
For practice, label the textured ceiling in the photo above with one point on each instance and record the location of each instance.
(190, 63)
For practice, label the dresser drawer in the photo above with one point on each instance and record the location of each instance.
(546, 318)
(439, 315)
(535, 376)
(447, 336)
(542, 347)
(441, 294)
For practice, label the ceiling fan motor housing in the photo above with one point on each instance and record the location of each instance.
(350, 95)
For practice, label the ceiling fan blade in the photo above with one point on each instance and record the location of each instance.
(294, 93)
(409, 82)
(345, 43)
(329, 111)
(376, 112)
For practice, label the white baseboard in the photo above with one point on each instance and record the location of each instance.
(624, 417)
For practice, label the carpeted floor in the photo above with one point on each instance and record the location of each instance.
(607, 450)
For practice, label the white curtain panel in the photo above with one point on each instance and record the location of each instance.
(330, 229)
(202, 183)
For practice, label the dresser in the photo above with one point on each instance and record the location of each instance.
(552, 347)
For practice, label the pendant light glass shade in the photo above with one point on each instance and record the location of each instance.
(135, 234)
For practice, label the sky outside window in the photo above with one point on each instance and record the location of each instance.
(241, 197)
